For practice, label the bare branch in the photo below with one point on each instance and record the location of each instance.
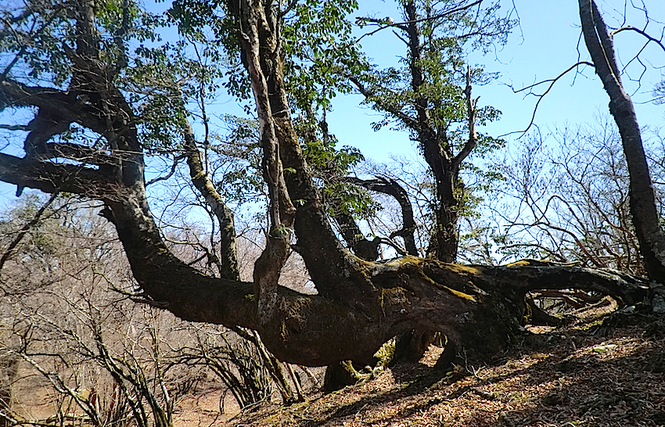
(551, 82)
(643, 33)
(9, 252)
(368, 93)
(289, 7)
(471, 107)
(387, 23)
(203, 183)
(52, 177)
(78, 153)
(174, 167)
(56, 102)
(392, 188)
(23, 128)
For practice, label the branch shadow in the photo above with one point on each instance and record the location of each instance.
(577, 377)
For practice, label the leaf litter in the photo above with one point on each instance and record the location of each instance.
(601, 370)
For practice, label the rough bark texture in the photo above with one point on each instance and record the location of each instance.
(353, 235)
(228, 247)
(642, 200)
(360, 304)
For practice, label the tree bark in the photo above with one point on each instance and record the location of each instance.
(392, 188)
(360, 304)
(641, 193)
(228, 246)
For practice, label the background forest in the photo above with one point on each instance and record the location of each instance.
(163, 250)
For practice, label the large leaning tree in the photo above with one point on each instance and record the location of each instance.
(74, 72)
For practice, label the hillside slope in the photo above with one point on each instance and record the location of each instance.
(596, 372)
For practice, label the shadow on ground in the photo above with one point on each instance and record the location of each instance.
(611, 374)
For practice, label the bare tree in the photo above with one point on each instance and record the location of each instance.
(107, 360)
(571, 200)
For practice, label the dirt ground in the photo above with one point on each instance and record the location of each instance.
(597, 371)
(34, 399)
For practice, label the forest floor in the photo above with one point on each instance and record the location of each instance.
(598, 370)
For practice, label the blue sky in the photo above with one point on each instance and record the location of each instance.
(545, 44)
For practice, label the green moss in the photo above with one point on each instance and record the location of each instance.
(394, 295)
(464, 269)
(459, 294)
(386, 353)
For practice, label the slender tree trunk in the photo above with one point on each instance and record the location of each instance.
(438, 155)
(641, 194)
(228, 246)
(8, 372)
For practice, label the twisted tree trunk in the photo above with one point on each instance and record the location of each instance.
(360, 304)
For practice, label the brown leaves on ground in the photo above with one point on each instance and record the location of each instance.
(588, 374)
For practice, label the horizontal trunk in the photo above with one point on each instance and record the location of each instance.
(478, 307)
